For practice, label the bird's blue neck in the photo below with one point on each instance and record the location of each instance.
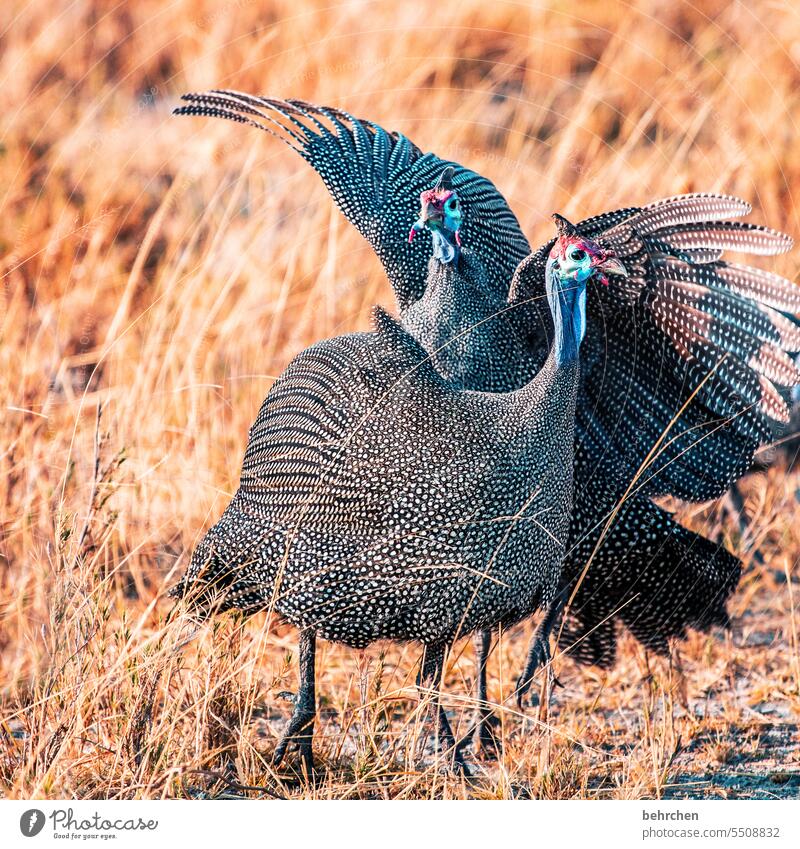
(445, 247)
(567, 299)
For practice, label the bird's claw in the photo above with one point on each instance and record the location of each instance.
(487, 745)
(460, 765)
(481, 734)
(299, 734)
(287, 696)
(538, 655)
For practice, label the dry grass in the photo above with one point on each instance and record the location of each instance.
(167, 270)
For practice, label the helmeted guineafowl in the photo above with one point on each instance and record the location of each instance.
(695, 434)
(378, 502)
(646, 570)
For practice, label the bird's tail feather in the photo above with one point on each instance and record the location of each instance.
(665, 581)
(224, 572)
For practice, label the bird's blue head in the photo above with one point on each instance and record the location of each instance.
(440, 212)
(573, 260)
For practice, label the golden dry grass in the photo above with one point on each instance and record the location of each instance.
(167, 269)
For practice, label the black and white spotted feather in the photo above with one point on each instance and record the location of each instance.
(683, 355)
(376, 501)
(376, 178)
(679, 368)
(682, 370)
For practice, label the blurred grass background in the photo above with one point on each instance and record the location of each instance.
(167, 269)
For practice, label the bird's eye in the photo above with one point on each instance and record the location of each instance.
(578, 254)
(452, 204)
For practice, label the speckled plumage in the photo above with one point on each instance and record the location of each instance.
(784, 451)
(474, 339)
(687, 332)
(375, 178)
(646, 570)
(378, 502)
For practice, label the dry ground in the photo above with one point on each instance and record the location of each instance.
(167, 269)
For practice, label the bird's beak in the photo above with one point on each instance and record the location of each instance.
(612, 265)
(427, 213)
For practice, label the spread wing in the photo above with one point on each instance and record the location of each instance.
(682, 360)
(376, 178)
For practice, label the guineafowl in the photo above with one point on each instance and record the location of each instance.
(645, 569)
(378, 502)
(695, 433)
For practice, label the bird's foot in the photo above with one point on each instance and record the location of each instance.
(452, 751)
(457, 762)
(487, 744)
(287, 696)
(299, 733)
(481, 737)
(538, 656)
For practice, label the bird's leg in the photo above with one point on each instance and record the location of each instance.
(430, 677)
(300, 729)
(539, 649)
(485, 721)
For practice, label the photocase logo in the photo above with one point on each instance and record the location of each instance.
(31, 822)
(65, 823)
